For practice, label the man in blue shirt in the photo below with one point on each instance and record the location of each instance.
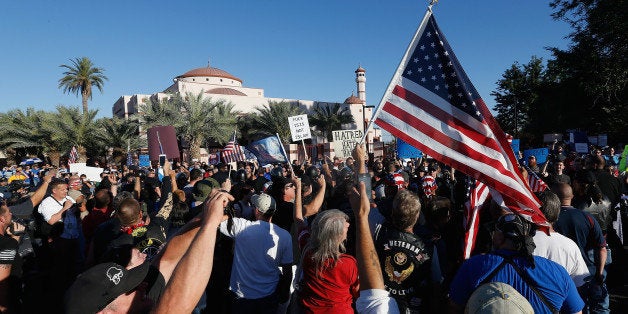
(545, 284)
(583, 229)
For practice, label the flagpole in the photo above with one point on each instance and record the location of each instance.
(398, 73)
(304, 150)
(283, 150)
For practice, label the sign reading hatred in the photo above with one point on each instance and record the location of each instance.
(345, 141)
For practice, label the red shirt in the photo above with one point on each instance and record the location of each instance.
(333, 290)
(93, 219)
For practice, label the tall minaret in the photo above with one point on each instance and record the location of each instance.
(360, 78)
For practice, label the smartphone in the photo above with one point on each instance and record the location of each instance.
(366, 178)
(162, 160)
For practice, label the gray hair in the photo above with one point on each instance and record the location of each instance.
(326, 239)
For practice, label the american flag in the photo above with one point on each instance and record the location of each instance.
(129, 159)
(232, 152)
(478, 195)
(73, 155)
(432, 105)
(536, 184)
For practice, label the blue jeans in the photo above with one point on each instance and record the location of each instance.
(595, 296)
(265, 305)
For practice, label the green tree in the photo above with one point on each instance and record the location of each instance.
(194, 117)
(20, 132)
(119, 135)
(517, 97)
(330, 117)
(591, 74)
(79, 78)
(272, 119)
(67, 127)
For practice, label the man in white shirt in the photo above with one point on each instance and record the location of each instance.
(557, 247)
(261, 250)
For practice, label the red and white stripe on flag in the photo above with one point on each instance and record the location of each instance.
(432, 105)
(232, 151)
(478, 196)
(536, 184)
(73, 155)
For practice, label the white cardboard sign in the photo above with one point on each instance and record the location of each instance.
(299, 127)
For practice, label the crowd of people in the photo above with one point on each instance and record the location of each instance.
(366, 235)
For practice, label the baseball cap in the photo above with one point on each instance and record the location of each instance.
(100, 285)
(264, 203)
(203, 188)
(497, 297)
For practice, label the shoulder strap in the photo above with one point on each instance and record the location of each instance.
(494, 272)
(532, 284)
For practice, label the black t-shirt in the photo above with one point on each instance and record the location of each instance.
(405, 262)
(148, 239)
(9, 256)
(284, 215)
(23, 210)
(8, 251)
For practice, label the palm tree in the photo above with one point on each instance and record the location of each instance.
(80, 77)
(272, 119)
(194, 117)
(328, 118)
(67, 127)
(20, 132)
(117, 134)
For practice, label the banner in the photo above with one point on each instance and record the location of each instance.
(299, 127)
(267, 151)
(405, 150)
(345, 141)
(539, 153)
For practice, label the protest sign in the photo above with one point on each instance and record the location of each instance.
(162, 140)
(345, 141)
(405, 150)
(515, 146)
(144, 161)
(299, 127)
(539, 153)
(92, 173)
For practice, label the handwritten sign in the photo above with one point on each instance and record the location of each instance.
(299, 127)
(345, 141)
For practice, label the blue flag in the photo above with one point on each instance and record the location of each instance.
(405, 150)
(267, 151)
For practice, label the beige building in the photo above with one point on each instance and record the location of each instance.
(221, 85)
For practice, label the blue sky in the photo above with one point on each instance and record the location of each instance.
(292, 49)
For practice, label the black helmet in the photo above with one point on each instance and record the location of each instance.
(312, 172)
(240, 176)
(277, 172)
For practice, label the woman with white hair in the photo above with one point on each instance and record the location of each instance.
(329, 282)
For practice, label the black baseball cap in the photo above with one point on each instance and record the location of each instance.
(100, 285)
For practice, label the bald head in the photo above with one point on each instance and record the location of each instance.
(129, 212)
(564, 193)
